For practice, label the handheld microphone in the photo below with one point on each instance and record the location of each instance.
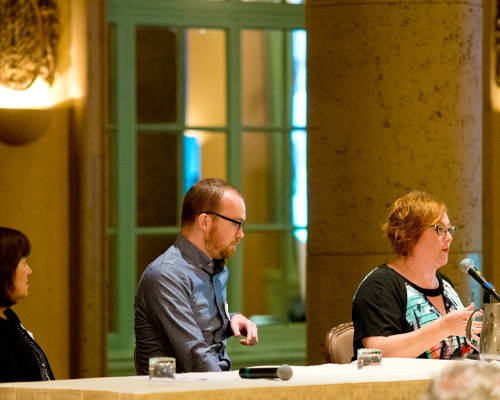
(284, 372)
(467, 266)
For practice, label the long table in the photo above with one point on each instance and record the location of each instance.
(396, 379)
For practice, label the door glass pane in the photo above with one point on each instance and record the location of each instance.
(274, 281)
(156, 179)
(205, 77)
(299, 93)
(262, 77)
(156, 71)
(299, 157)
(149, 247)
(266, 177)
(263, 276)
(299, 188)
(211, 152)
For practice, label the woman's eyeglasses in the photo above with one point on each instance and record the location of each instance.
(441, 229)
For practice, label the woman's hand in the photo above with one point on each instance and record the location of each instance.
(455, 323)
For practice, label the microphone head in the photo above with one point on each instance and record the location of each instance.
(466, 264)
(284, 372)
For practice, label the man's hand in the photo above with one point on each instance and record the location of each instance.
(243, 326)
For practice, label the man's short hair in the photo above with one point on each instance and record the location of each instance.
(203, 196)
(408, 217)
(14, 245)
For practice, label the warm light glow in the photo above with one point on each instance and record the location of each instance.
(39, 95)
(495, 96)
(206, 77)
(201, 136)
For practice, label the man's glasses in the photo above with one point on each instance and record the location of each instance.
(441, 229)
(239, 224)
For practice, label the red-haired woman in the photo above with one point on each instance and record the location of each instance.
(407, 307)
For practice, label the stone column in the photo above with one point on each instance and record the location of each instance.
(395, 104)
(88, 272)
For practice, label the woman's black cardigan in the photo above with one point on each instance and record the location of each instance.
(18, 359)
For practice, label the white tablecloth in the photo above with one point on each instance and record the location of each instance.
(396, 379)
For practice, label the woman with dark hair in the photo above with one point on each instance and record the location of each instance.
(21, 359)
(406, 307)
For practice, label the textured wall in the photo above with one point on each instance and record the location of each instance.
(491, 146)
(395, 104)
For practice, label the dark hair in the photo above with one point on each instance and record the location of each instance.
(408, 217)
(14, 245)
(203, 196)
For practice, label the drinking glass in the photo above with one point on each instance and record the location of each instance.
(369, 358)
(162, 369)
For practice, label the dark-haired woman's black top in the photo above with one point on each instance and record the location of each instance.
(21, 359)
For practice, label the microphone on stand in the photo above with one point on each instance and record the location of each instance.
(467, 266)
(284, 372)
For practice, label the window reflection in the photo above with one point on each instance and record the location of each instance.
(266, 177)
(209, 154)
(156, 179)
(263, 276)
(156, 69)
(205, 77)
(262, 79)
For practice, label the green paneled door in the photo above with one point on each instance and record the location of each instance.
(206, 89)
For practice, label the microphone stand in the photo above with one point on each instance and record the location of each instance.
(486, 297)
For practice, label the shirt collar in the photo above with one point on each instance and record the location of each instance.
(197, 257)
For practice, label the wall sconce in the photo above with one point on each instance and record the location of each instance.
(29, 33)
(23, 125)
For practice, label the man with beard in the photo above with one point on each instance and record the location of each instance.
(180, 306)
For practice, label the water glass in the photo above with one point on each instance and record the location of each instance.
(162, 369)
(369, 358)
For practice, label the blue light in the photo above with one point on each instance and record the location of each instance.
(298, 137)
(192, 162)
(299, 96)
